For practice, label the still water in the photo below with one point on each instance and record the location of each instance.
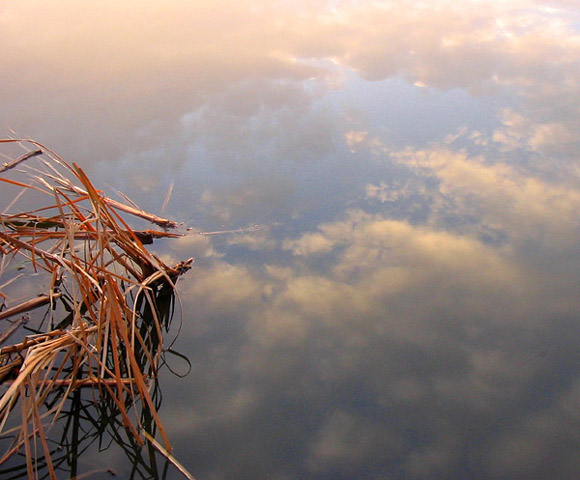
(408, 305)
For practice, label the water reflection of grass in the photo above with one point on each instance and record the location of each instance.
(89, 369)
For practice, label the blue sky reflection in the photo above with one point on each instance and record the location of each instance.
(409, 306)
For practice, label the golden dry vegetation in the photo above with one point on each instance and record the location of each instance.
(100, 317)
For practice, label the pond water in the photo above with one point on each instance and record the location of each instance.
(403, 300)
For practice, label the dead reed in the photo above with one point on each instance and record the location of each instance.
(109, 303)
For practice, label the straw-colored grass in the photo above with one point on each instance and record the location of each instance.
(109, 304)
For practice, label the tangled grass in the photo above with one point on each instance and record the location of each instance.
(109, 302)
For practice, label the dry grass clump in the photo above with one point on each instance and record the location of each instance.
(109, 304)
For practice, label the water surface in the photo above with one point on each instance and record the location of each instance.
(408, 306)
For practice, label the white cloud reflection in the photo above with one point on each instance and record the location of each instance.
(408, 308)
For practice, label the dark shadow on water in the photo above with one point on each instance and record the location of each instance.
(90, 438)
(92, 425)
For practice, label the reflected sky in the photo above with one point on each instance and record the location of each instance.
(409, 306)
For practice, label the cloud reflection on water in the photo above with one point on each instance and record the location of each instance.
(409, 307)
